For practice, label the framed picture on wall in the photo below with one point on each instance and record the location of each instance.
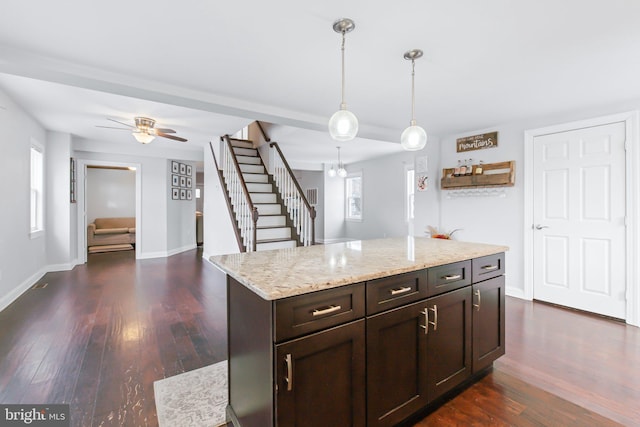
(189, 194)
(175, 194)
(189, 170)
(175, 167)
(189, 182)
(183, 181)
(183, 194)
(175, 180)
(183, 169)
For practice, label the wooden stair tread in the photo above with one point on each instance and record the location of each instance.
(284, 239)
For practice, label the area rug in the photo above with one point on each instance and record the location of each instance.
(194, 399)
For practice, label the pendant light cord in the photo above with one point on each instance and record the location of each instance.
(343, 105)
(413, 92)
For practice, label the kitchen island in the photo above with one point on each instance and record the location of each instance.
(362, 333)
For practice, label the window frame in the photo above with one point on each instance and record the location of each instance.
(409, 214)
(36, 214)
(347, 197)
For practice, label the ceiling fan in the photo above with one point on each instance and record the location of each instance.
(144, 130)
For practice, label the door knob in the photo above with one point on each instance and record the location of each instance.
(540, 227)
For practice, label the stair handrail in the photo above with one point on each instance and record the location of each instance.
(286, 182)
(228, 200)
(246, 209)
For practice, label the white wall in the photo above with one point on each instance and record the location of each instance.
(501, 220)
(314, 179)
(383, 181)
(219, 237)
(61, 246)
(156, 219)
(181, 218)
(22, 260)
(110, 193)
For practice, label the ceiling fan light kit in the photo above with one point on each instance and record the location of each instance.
(343, 124)
(145, 131)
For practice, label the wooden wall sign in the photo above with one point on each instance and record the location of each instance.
(477, 142)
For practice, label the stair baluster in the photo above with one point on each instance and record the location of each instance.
(301, 213)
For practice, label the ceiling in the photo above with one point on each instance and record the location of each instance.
(208, 68)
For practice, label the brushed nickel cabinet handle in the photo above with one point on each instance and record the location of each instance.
(435, 317)
(477, 306)
(330, 309)
(399, 291)
(426, 321)
(452, 277)
(289, 378)
(490, 267)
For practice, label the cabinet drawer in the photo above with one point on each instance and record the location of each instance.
(486, 267)
(308, 313)
(448, 277)
(394, 291)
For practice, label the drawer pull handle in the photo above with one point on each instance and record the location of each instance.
(330, 309)
(452, 277)
(435, 317)
(289, 378)
(490, 267)
(426, 321)
(399, 291)
(477, 306)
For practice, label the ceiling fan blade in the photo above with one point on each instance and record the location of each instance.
(176, 138)
(164, 130)
(122, 123)
(111, 127)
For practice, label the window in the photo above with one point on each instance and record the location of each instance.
(353, 194)
(410, 193)
(37, 190)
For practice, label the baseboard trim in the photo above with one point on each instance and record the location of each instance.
(182, 249)
(61, 267)
(515, 292)
(13, 295)
(150, 255)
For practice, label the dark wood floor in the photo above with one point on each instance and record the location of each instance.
(98, 337)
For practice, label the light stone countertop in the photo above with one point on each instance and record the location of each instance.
(283, 273)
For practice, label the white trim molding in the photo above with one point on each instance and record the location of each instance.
(632, 196)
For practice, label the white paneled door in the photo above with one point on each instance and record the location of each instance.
(579, 219)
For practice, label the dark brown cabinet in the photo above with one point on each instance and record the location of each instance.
(321, 378)
(364, 354)
(396, 364)
(488, 322)
(448, 341)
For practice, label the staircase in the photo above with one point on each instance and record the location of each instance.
(273, 229)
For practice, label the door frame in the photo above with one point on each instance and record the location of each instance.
(631, 120)
(82, 204)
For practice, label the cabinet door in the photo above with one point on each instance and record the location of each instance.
(396, 364)
(488, 322)
(321, 378)
(448, 341)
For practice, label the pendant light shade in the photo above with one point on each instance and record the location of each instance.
(341, 172)
(414, 137)
(343, 125)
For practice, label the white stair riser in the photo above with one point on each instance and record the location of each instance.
(251, 152)
(263, 197)
(259, 187)
(273, 233)
(249, 160)
(241, 144)
(268, 209)
(276, 245)
(252, 168)
(272, 221)
(254, 177)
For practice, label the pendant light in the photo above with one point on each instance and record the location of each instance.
(343, 125)
(341, 172)
(414, 137)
